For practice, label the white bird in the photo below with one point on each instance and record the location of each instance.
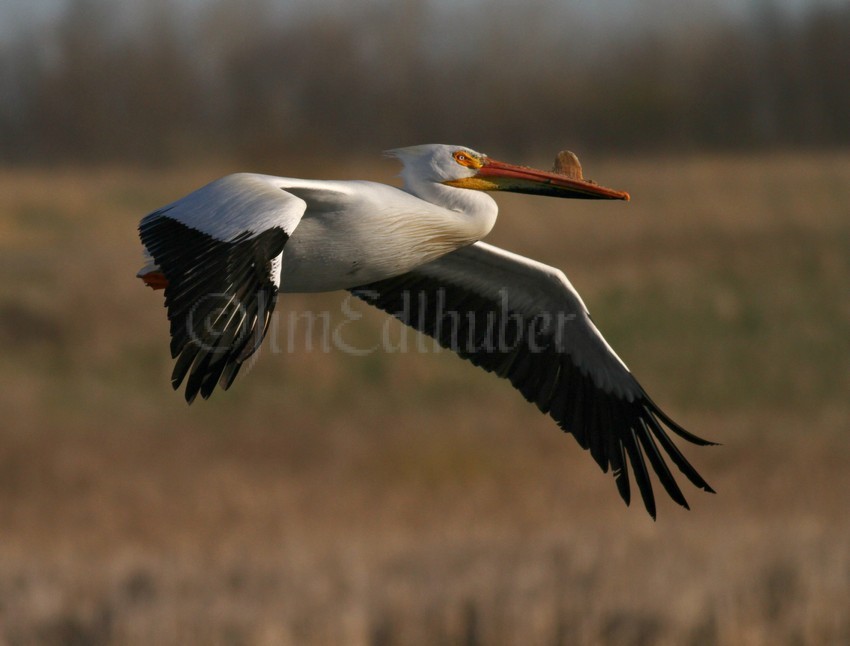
(223, 252)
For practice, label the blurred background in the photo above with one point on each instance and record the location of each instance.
(385, 499)
(163, 81)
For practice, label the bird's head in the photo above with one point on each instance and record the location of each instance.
(462, 167)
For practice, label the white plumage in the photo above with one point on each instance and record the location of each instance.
(224, 252)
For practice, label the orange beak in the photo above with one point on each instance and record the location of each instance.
(499, 176)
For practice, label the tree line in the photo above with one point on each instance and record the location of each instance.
(241, 79)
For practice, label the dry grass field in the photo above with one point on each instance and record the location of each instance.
(381, 499)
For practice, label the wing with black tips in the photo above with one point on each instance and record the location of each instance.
(524, 321)
(217, 252)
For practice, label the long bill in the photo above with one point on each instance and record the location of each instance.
(499, 176)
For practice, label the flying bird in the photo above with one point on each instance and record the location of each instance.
(224, 252)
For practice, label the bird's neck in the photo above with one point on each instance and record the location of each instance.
(474, 212)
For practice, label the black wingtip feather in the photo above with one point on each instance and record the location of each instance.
(666, 478)
(640, 472)
(653, 409)
(676, 456)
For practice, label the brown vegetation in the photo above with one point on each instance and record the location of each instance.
(391, 499)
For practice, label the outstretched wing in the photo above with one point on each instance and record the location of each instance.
(524, 321)
(217, 252)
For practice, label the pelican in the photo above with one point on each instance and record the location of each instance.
(224, 252)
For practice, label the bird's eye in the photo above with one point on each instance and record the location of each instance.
(463, 159)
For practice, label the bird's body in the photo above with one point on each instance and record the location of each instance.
(358, 232)
(224, 252)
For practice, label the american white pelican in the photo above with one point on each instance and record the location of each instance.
(223, 252)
